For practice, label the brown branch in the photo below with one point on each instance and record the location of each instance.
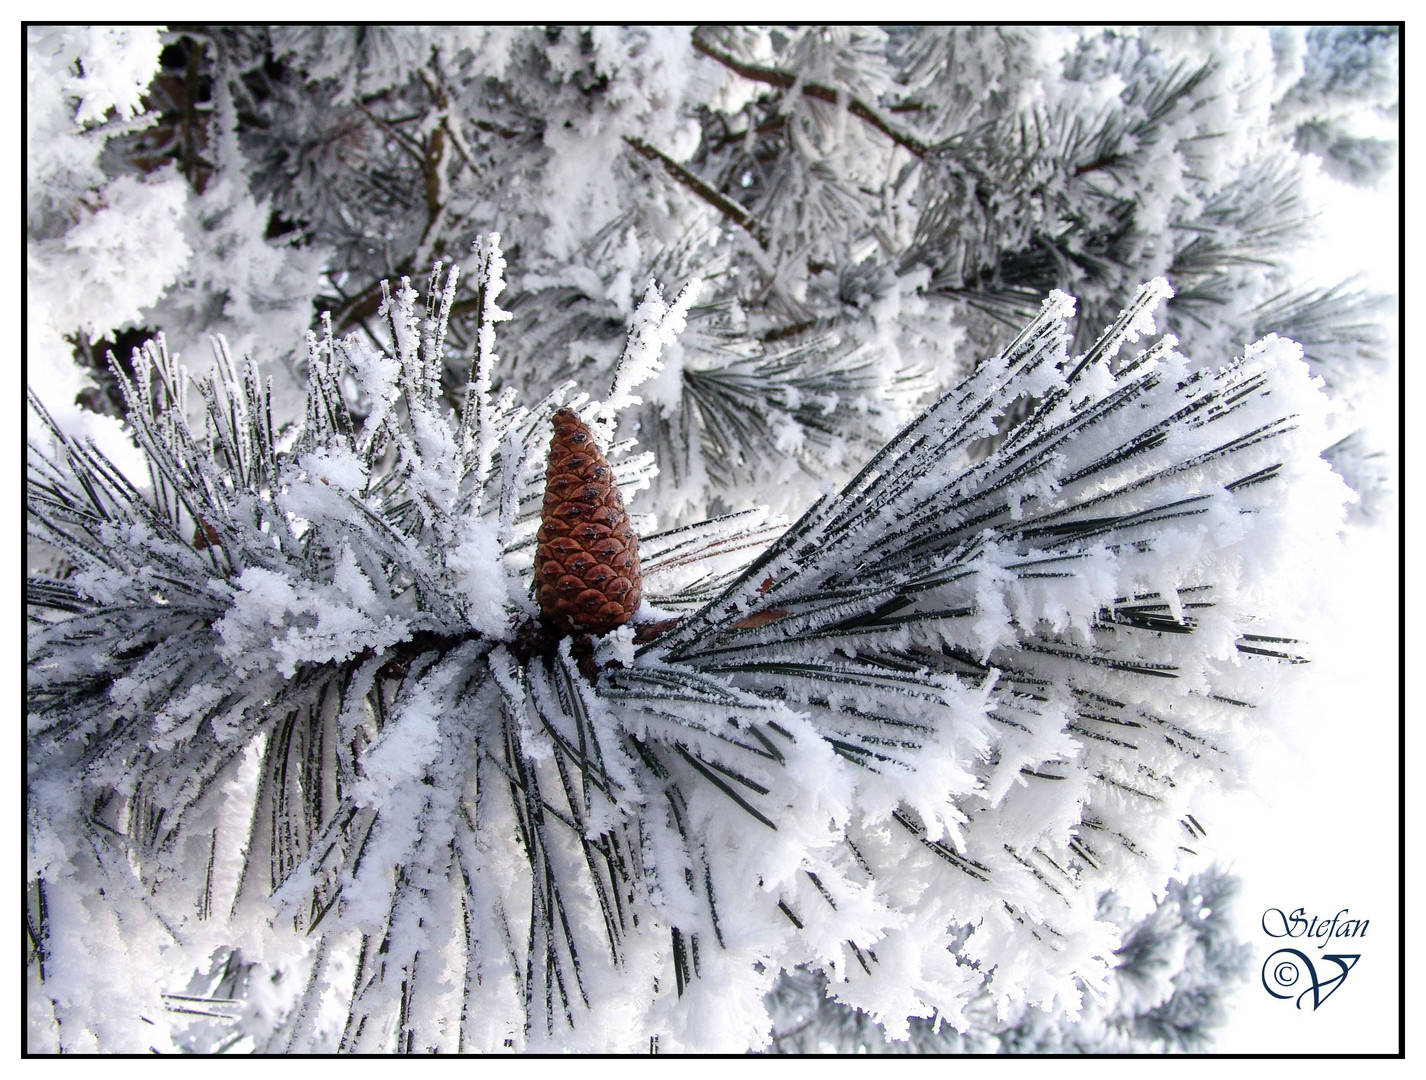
(433, 171)
(358, 308)
(779, 333)
(726, 206)
(404, 141)
(785, 81)
(1108, 161)
(433, 164)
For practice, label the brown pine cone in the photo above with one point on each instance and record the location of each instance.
(587, 563)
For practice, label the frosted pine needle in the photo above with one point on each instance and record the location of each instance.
(280, 712)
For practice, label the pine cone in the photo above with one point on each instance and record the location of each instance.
(587, 563)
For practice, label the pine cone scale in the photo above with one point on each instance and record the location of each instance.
(587, 563)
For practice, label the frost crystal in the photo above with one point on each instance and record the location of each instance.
(292, 713)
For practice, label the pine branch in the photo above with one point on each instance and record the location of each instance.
(302, 682)
(725, 206)
(785, 81)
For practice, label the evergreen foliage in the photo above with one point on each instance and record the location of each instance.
(956, 607)
(1168, 993)
(846, 194)
(960, 692)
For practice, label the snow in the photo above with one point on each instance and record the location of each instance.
(908, 742)
(656, 325)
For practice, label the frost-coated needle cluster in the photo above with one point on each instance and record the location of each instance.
(1168, 991)
(296, 774)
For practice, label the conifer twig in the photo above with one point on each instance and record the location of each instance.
(729, 209)
(785, 81)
